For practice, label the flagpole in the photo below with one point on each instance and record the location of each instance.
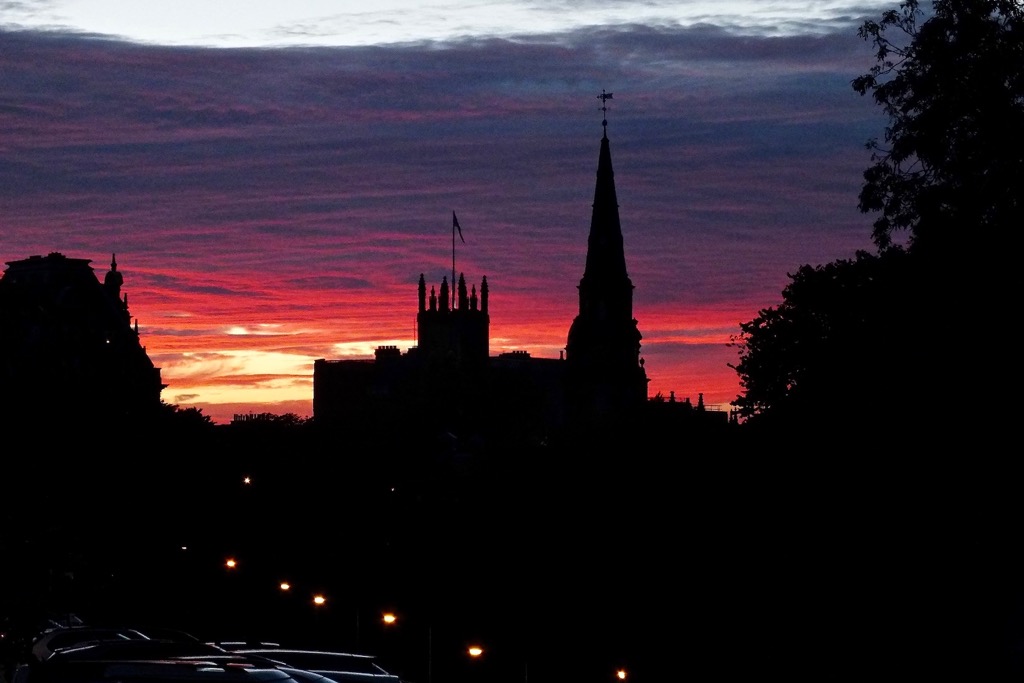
(453, 260)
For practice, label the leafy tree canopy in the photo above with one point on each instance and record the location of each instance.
(895, 335)
(950, 167)
(836, 344)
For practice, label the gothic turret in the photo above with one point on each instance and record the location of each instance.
(113, 281)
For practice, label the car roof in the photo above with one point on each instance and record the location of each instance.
(64, 637)
(246, 644)
(294, 651)
(63, 670)
(137, 650)
(334, 665)
(55, 639)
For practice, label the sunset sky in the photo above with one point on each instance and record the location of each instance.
(274, 177)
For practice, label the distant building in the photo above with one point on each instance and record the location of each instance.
(605, 373)
(68, 350)
(449, 381)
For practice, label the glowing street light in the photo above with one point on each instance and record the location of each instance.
(319, 600)
(475, 651)
(285, 586)
(620, 674)
(390, 619)
(230, 563)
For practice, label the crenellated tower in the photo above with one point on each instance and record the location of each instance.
(457, 338)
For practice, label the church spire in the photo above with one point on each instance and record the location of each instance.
(605, 255)
(606, 284)
(605, 373)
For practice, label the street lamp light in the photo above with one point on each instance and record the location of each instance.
(391, 619)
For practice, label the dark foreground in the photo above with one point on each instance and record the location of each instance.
(720, 564)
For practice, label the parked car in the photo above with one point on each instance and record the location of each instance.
(60, 669)
(151, 660)
(59, 638)
(56, 639)
(123, 647)
(341, 667)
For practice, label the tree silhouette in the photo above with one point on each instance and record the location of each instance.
(890, 358)
(832, 351)
(898, 337)
(949, 172)
(951, 164)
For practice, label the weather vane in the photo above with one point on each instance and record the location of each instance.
(604, 97)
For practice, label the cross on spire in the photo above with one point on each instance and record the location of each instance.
(604, 97)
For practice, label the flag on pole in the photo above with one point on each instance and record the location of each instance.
(455, 224)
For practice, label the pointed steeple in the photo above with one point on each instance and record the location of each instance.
(605, 255)
(606, 377)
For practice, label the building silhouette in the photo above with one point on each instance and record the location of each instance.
(448, 383)
(68, 350)
(605, 377)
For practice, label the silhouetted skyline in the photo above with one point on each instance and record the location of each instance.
(271, 207)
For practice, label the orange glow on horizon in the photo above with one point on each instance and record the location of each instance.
(270, 376)
(238, 285)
